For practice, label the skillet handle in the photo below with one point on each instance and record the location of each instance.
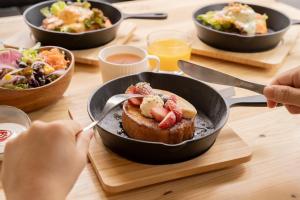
(295, 21)
(145, 16)
(256, 100)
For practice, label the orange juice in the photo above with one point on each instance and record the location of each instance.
(169, 52)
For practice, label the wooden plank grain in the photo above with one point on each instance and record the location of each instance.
(271, 174)
(117, 174)
(267, 176)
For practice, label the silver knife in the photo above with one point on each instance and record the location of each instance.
(213, 76)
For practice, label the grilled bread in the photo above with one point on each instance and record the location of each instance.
(140, 127)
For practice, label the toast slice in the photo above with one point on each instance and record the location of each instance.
(140, 127)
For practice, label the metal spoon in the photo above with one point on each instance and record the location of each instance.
(111, 103)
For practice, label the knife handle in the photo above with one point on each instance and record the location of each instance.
(250, 86)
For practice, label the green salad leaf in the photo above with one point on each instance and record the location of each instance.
(57, 7)
(30, 55)
(96, 19)
(210, 19)
(84, 4)
(46, 12)
(20, 86)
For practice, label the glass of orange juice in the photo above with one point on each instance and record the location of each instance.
(170, 46)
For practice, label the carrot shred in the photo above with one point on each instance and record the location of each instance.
(54, 58)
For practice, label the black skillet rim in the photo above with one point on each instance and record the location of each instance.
(67, 33)
(222, 123)
(196, 21)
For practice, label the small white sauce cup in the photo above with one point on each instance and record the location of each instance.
(12, 122)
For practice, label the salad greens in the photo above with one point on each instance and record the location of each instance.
(30, 55)
(236, 17)
(96, 18)
(74, 17)
(57, 7)
(209, 19)
(30, 68)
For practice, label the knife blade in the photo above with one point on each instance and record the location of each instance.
(213, 76)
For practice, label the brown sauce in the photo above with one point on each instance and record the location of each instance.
(123, 58)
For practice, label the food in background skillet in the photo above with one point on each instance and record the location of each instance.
(73, 17)
(236, 17)
(160, 116)
(30, 68)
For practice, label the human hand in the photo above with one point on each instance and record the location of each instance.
(285, 89)
(45, 161)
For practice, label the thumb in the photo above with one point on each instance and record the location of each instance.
(83, 141)
(283, 94)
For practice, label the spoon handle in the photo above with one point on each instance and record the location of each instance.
(91, 125)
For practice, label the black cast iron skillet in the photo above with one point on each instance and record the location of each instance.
(278, 23)
(213, 111)
(90, 39)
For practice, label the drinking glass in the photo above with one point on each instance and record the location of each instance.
(170, 46)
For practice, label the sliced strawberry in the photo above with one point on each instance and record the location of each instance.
(173, 98)
(159, 113)
(168, 121)
(178, 114)
(134, 101)
(172, 106)
(143, 88)
(131, 90)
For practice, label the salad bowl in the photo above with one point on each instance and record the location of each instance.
(37, 95)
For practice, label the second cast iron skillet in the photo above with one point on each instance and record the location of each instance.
(90, 39)
(213, 111)
(278, 23)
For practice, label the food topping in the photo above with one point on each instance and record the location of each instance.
(134, 101)
(188, 111)
(144, 88)
(172, 106)
(8, 58)
(159, 113)
(74, 17)
(149, 102)
(236, 17)
(168, 121)
(30, 68)
(163, 108)
(54, 58)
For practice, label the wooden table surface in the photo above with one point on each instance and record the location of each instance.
(274, 134)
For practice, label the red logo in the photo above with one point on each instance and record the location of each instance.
(4, 134)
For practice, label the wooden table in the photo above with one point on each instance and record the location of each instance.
(274, 135)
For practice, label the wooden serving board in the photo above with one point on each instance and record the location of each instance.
(266, 59)
(117, 174)
(24, 39)
(180, 19)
